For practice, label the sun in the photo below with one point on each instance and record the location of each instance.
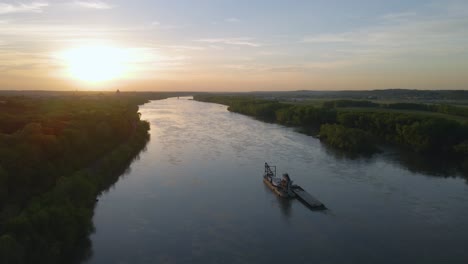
(96, 63)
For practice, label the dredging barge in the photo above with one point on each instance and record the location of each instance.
(285, 188)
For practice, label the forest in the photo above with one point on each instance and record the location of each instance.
(359, 126)
(57, 153)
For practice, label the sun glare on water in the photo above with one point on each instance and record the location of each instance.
(95, 64)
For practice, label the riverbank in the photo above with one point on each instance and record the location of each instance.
(74, 148)
(361, 132)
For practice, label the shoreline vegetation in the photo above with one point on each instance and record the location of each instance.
(57, 154)
(361, 126)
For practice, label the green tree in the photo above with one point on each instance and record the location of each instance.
(3, 186)
(10, 251)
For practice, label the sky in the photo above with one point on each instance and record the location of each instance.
(237, 45)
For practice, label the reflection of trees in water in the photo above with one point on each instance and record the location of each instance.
(84, 250)
(429, 165)
(346, 155)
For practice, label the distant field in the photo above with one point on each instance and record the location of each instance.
(319, 102)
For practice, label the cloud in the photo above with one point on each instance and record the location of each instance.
(33, 7)
(398, 36)
(399, 17)
(20, 60)
(93, 4)
(173, 27)
(329, 38)
(215, 47)
(185, 48)
(159, 25)
(147, 60)
(258, 67)
(232, 20)
(38, 33)
(288, 69)
(232, 41)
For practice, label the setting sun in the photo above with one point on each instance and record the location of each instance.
(96, 63)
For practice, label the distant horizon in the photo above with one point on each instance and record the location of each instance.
(252, 91)
(220, 45)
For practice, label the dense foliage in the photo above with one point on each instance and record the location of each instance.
(358, 131)
(56, 155)
(349, 103)
(352, 139)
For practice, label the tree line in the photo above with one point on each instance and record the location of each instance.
(436, 108)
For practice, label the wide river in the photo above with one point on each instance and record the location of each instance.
(196, 195)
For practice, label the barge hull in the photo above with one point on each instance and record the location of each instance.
(276, 190)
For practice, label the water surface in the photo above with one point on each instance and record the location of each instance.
(196, 196)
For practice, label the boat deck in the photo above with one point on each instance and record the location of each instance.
(308, 199)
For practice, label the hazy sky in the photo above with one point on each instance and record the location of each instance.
(239, 45)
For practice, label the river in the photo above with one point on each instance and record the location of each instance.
(196, 195)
